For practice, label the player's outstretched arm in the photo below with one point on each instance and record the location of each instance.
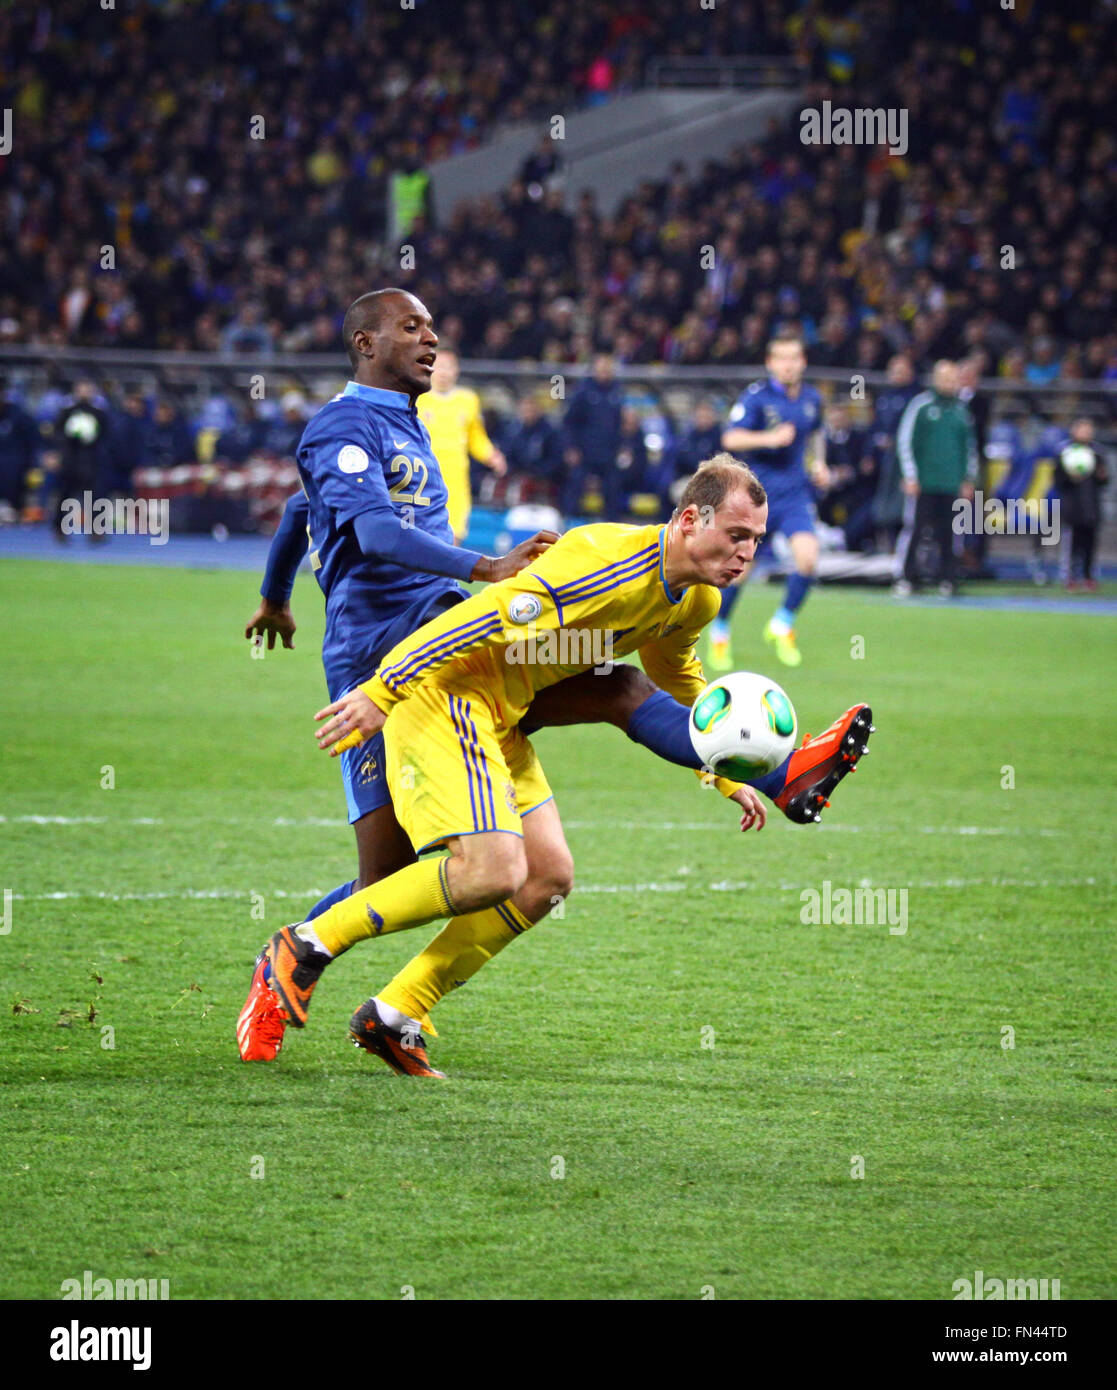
(752, 808)
(272, 619)
(739, 440)
(285, 555)
(380, 534)
(517, 559)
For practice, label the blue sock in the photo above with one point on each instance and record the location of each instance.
(663, 725)
(772, 783)
(728, 598)
(336, 896)
(798, 586)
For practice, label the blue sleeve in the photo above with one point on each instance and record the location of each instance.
(288, 548)
(386, 538)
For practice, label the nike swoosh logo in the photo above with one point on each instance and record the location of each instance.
(398, 445)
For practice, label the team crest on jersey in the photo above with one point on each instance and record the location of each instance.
(525, 608)
(369, 770)
(352, 459)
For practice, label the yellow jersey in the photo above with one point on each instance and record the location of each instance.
(598, 594)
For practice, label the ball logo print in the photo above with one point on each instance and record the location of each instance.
(352, 459)
(525, 608)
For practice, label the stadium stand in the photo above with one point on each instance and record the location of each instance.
(233, 256)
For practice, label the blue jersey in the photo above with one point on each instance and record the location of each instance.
(763, 406)
(367, 451)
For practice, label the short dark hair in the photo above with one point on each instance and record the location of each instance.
(716, 478)
(785, 335)
(365, 314)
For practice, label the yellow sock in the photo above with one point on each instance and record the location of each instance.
(459, 950)
(407, 898)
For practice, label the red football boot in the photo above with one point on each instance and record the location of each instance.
(819, 765)
(262, 1022)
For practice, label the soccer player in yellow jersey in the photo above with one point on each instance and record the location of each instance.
(463, 775)
(452, 415)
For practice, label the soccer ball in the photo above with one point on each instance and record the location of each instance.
(1078, 460)
(742, 726)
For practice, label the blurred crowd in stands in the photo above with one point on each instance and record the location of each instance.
(987, 236)
(612, 448)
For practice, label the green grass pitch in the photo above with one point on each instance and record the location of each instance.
(703, 1068)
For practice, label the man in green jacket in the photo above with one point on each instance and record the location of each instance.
(937, 449)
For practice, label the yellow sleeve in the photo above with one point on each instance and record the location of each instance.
(478, 443)
(565, 587)
(672, 663)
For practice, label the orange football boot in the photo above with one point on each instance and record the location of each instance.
(295, 967)
(404, 1052)
(261, 1023)
(820, 763)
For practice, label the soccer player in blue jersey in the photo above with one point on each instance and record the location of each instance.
(374, 506)
(769, 429)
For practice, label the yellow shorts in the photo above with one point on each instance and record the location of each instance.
(450, 772)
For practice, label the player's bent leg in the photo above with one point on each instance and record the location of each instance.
(388, 1024)
(382, 849)
(382, 846)
(605, 697)
(485, 869)
(550, 865)
(623, 696)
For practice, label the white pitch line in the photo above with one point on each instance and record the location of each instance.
(724, 886)
(325, 822)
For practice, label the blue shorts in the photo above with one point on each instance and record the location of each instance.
(363, 768)
(790, 509)
(363, 772)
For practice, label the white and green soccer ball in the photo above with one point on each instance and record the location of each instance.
(1078, 460)
(82, 426)
(743, 725)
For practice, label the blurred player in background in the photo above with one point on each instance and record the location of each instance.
(1080, 475)
(769, 429)
(937, 449)
(452, 415)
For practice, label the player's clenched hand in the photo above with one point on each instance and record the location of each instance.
(752, 808)
(272, 618)
(781, 435)
(490, 569)
(351, 720)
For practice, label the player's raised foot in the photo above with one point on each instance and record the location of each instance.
(783, 639)
(295, 968)
(721, 648)
(820, 763)
(405, 1052)
(261, 1023)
